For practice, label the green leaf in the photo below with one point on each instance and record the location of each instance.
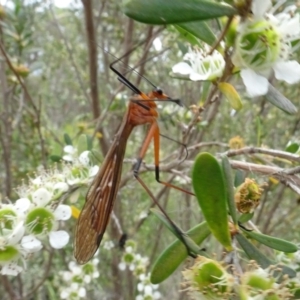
(229, 188)
(209, 187)
(67, 139)
(176, 253)
(96, 157)
(82, 143)
(239, 178)
(182, 236)
(187, 36)
(292, 147)
(199, 29)
(253, 253)
(280, 101)
(176, 11)
(231, 95)
(55, 158)
(272, 242)
(246, 217)
(89, 142)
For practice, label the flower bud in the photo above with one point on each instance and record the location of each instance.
(208, 278)
(247, 196)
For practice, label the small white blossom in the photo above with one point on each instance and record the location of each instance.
(264, 45)
(146, 288)
(201, 66)
(74, 289)
(108, 245)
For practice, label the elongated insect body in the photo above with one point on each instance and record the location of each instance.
(102, 193)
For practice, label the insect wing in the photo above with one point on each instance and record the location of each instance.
(95, 214)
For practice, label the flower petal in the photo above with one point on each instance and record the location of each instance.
(11, 269)
(196, 76)
(31, 244)
(84, 158)
(256, 84)
(68, 157)
(69, 149)
(290, 26)
(41, 197)
(122, 266)
(22, 205)
(260, 7)
(17, 234)
(61, 187)
(289, 71)
(58, 239)
(182, 68)
(93, 171)
(63, 212)
(81, 292)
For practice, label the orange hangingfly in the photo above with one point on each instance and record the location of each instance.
(102, 193)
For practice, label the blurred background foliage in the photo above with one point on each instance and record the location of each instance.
(48, 48)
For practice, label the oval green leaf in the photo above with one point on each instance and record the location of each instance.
(176, 253)
(279, 100)
(239, 177)
(200, 30)
(231, 95)
(82, 143)
(229, 188)
(67, 139)
(89, 142)
(253, 253)
(272, 242)
(187, 36)
(209, 187)
(176, 11)
(245, 217)
(55, 158)
(292, 147)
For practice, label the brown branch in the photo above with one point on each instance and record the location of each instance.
(93, 69)
(275, 153)
(9, 288)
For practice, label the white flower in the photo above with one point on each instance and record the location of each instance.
(70, 153)
(76, 277)
(73, 292)
(108, 245)
(263, 45)
(200, 65)
(146, 288)
(12, 249)
(41, 219)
